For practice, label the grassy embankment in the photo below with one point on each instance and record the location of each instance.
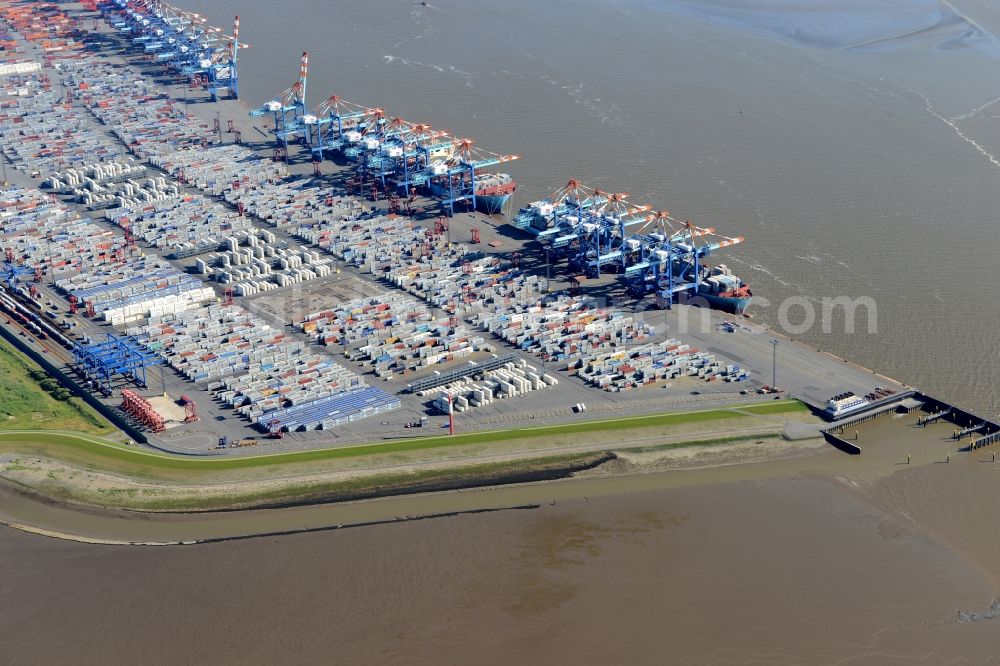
(31, 400)
(145, 480)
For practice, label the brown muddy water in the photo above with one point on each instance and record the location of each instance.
(822, 558)
(781, 571)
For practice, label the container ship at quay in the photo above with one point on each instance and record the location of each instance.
(493, 191)
(722, 290)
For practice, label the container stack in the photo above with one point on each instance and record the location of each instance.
(46, 235)
(372, 244)
(42, 134)
(252, 262)
(458, 284)
(136, 110)
(217, 169)
(19, 68)
(328, 413)
(295, 204)
(46, 26)
(510, 381)
(186, 225)
(392, 333)
(97, 172)
(140, 288)
(651, 363)
(249, 365)
(564, 328)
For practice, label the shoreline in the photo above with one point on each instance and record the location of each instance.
(93, 472)
(77, 538)
(615, 474)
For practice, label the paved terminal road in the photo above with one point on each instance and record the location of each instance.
(803, 372)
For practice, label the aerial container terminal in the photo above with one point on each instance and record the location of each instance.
(209, 297)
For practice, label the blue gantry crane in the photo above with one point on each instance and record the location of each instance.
(402, 152)
(600, 240)
(182, 41)
(330, 122)
(12, 274)
(390, 150)
(652, 253)
(586, 226)
(118, 357)
(289, 110)
(551, 216)
(221, 65)
(669, 259)
(456, 176)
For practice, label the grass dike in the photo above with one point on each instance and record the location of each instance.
(85, 470)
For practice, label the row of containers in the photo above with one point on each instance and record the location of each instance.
(651, 363)
(508, 381)
(45, 25)
(183, 226)
(564, 329)
(45, 235)
(393, 334)
(43, 134)
(135, 109)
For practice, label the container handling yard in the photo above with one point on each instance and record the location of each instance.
(352, 278)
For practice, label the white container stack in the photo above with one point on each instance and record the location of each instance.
(251, 259)
(162, 306)
(97, 172)
(651, 363)
(19, 68)
(46, 235)
(187, 225)
(510, 381)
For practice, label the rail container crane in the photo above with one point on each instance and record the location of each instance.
(117, 357)
(12, 274)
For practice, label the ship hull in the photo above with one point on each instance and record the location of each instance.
(733, 304)
(491, 204)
